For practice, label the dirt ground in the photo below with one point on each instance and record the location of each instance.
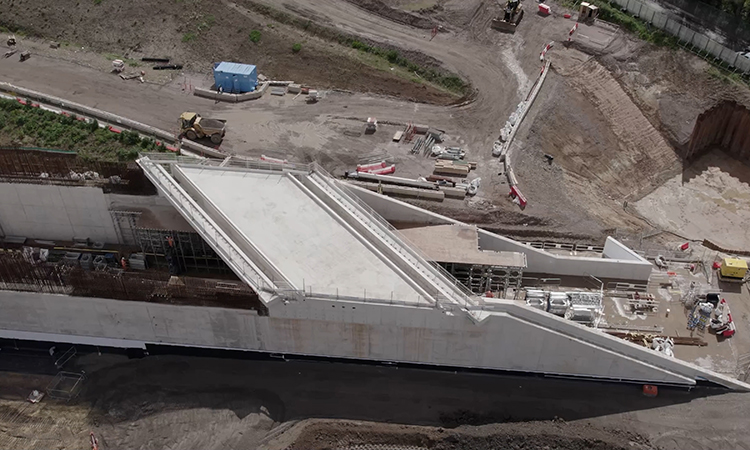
(197, 33)
(171, 401)
(710, 200)
(316, 435)
(614, 113)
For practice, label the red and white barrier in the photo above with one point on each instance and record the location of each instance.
(370, 167)
(382, 171)
(516, 194)
(572, 30)
(545, 50)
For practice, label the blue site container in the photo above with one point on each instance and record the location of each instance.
(235, 78)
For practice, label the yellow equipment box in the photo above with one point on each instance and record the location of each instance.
(735, 268)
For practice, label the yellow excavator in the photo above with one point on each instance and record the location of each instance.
(512, 14)
(193, 127)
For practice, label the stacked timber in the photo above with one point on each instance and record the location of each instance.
(645, 339)
(450, 167)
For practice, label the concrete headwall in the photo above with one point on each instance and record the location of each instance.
(232, 98)
(513, 337)
(55, 212)
(619, 262)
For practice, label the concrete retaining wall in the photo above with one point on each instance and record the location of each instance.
(55, 212)
(396, 211)
(232, 98)
(513, 338)
(539, 261)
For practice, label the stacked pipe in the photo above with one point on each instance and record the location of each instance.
(380, 168)
(429, 141)
(417, 146)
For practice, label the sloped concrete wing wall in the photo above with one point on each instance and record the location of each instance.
(514, 338)
(629, 267)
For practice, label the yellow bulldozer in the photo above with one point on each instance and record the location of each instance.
(194, 127)
(511, 16)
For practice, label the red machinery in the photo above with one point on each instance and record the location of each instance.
(722, 324)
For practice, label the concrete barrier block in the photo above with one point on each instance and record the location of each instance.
(451, 192)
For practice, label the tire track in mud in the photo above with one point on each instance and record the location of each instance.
(646, 160)
(477, 62)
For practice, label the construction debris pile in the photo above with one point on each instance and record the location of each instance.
(660, 343)
(708, 310)
(449, 161)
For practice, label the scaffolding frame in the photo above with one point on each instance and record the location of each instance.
(480, 279)
(126, 235)
(193, 253)
(65, 385)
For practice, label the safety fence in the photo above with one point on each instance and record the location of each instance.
(692, 40)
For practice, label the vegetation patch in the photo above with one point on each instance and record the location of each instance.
(25, 125)
(451, 82)
(431, 74)
(255, 36)
(612, 13)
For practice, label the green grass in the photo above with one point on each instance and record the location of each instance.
(296, 47)
(434, 75)
(612, 13)
(718, 73)
(97, 2)
(255, 36)
(129, 61)
(448, 81)
(383, 65)
(28, 126)
(189, 37)
(206, 24)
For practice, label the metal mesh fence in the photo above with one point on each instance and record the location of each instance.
(700, 15)
(690, 38)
